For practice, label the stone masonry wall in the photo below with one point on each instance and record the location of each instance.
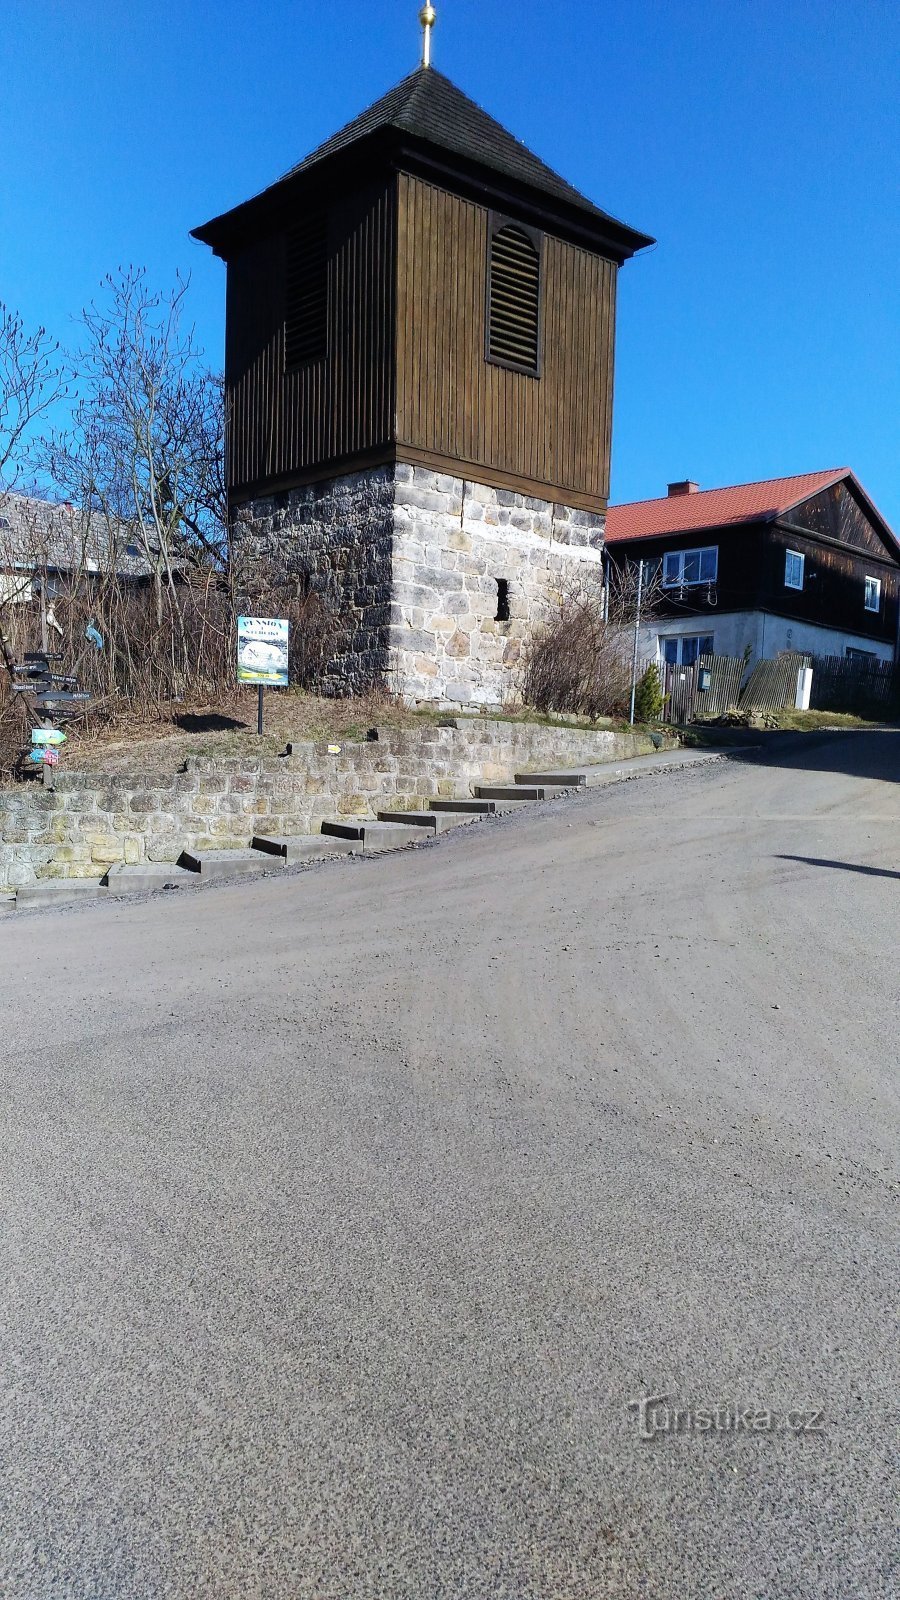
(453, 540)
(337, 537)
(91, 821)
(412, 559)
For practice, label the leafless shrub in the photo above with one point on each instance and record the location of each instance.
(136, 659)
(581, 661)
(144, 448)
(133, 581)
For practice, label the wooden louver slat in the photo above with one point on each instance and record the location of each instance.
(306, 292)
(514, 299)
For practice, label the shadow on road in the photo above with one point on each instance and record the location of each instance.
(862, 753)
(842, 866)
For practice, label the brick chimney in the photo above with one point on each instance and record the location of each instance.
(687, 486)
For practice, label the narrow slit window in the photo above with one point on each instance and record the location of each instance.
(306, 292)
(514, 299)
(502, 614)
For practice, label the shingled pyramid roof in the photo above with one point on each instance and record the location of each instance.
(430, 107)
(430, 110)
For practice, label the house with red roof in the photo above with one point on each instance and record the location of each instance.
(805, 563)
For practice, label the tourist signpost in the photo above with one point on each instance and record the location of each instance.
(54, 696)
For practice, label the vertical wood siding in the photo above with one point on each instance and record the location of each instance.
(284, 424)
(555, 429)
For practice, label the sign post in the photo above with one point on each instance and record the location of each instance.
(262, 656)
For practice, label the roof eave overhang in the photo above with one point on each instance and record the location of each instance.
(391, 149)
(264, 213)
(581, 224)
(716, 530)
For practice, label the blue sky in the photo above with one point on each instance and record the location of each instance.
(760, 144)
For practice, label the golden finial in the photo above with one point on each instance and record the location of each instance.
(428, 18)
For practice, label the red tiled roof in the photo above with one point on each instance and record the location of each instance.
(715, 508)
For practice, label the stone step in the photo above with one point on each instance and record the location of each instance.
(374, 835)
(215, 864)
(291, 848)
(551, 780)
(464, 808)
(501, 792)
(145, 877)
(434, 821)
(56, 891)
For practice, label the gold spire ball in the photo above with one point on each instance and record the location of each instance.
(428, 18)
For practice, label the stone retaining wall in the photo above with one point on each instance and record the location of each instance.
(91, 821)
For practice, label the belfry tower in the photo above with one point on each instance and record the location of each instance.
(419, 375)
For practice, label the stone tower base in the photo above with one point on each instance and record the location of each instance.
(439, 579)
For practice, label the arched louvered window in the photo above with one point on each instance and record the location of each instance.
(514, 297)
(306, 292)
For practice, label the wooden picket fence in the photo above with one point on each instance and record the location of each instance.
(716, 684)
(844, 683)
(773, 684)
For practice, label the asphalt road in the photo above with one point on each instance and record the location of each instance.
(344, 1215)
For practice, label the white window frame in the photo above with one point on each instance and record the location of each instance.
(681, 556)
(680, 639)
(789, 557)
(876, 582)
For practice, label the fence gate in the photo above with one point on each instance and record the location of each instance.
(706, 689)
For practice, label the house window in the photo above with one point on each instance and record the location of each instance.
(873, 594)
(514, 298)
(853, 654)
(684, 567)
(306, 292)
(684, 650)
(793, 569)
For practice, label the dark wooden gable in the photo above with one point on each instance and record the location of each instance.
(838, 513)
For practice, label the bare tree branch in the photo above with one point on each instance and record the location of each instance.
(146, 442)
(30, 383)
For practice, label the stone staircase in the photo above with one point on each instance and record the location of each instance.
(388, 830)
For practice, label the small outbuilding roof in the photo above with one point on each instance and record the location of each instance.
(37, 533)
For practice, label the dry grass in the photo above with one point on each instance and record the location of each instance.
(810, 721)
(228, 728)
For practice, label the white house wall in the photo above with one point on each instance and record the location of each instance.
(767, 636)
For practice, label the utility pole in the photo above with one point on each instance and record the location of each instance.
(637, 624)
